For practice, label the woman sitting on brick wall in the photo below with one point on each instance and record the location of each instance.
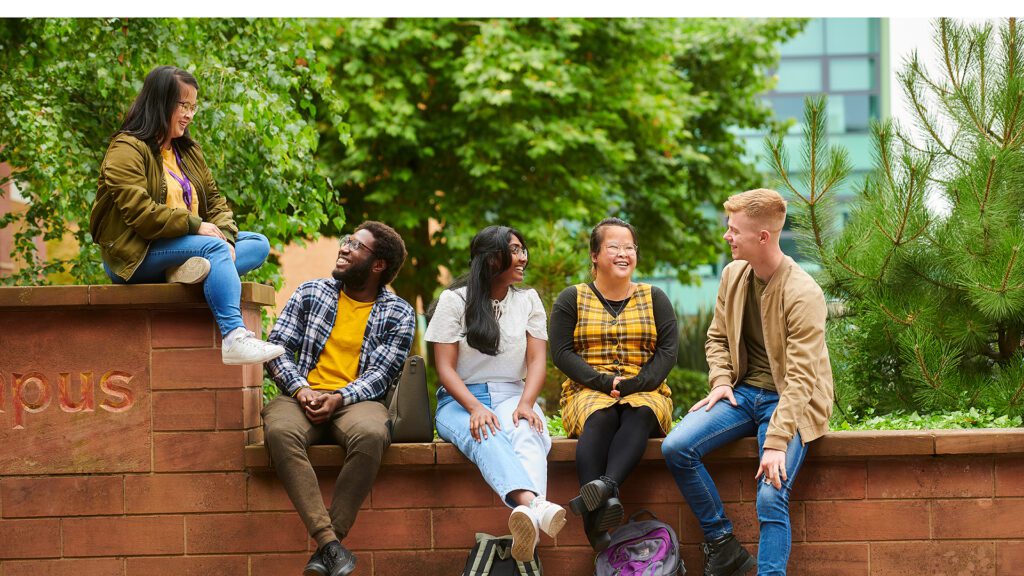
(490, 350)
(158, 215)
(616, 341)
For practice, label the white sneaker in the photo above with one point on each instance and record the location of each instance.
(248, 349)
(550, 516)
(525, 533)
(191, 271)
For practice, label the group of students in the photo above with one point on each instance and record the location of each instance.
(341, 341)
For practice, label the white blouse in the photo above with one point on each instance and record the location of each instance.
(521, 313)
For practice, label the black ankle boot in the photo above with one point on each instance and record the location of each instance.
(597, 536)
(595, 494)
(726, 557)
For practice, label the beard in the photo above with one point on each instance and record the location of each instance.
(357, 275)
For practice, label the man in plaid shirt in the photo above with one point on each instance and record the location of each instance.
(346, 339)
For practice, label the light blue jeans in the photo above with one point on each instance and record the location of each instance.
(513, 459)
(222, 288)
(703, 431)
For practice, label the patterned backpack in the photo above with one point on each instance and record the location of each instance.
(641, 548)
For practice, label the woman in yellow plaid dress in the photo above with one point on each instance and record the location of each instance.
(616, 341)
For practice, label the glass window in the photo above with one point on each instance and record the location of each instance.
(787, 107)
(851, 35)
(851, 74)
(810, 42)
(859, 147)
(799, 76)
(859, 111)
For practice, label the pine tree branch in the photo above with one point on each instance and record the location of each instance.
(909, 321)
(958, 84)
(922, 114)
(988, 184)
(1011, 139)
(931, 280)
(884, 231)
(1009, 268)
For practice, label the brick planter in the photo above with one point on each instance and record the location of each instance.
(126, 448)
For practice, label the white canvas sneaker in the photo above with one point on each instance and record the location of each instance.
(248, 349)
(191, 271)
(550, 516)
(525, 533)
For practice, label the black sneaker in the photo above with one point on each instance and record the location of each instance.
(315, 566)
(726, 557)
(338, 560)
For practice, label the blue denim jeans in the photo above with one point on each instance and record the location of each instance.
(703, 431)
(513, 459)
(222, 288)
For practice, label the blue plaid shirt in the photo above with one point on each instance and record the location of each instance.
(305, 325)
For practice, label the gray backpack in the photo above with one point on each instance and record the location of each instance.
(641, 548)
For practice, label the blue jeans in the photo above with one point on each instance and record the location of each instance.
(703, 431)
(513, 459)
(222, 288)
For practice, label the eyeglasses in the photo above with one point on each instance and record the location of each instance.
(516, 250)
(625, 249)
(186, 107)
(353, 243)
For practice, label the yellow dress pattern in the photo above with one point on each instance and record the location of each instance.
(614, 345)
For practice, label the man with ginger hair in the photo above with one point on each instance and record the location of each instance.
(769, 363)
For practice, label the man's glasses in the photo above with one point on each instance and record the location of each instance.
(186, 107)
(354, 244)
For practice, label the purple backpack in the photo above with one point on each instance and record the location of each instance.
(641, 548)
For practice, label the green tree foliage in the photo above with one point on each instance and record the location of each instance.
(458, 124)
(934, 296)
(65, 85)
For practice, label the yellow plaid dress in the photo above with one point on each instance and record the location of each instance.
(615, 346)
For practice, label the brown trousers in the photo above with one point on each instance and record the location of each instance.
(361, 429)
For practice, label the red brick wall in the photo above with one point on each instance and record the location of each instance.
(202, 503)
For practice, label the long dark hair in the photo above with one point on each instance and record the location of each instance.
(490, 256)
(149, 117)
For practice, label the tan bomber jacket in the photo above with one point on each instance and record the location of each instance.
(130, 210)
(793, 317)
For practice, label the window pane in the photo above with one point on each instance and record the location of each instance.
(859, 110)
(851, 35)
(799, 76)
(851, 74)
(787, 107)
(810, 42)
(859, 147)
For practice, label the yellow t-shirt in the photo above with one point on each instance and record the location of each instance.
(339, 362)
(175, 194)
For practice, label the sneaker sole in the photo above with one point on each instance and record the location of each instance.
(555, 525)
(191, 271)
(524, 536)
(311, 572)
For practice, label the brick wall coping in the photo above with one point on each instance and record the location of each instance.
(833, 446)
(127, 296)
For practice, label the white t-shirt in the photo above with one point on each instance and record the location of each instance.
(521, 313)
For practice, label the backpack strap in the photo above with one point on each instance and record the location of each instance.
(633, 516)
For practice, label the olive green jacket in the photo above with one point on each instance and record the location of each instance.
(130, 209)
(793, 319)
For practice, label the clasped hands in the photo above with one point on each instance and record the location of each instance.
(318, 405)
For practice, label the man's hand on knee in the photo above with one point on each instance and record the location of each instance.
(717, 393)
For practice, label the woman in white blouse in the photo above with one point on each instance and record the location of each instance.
(490, 348)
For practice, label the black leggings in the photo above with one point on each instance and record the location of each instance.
(613, 441)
